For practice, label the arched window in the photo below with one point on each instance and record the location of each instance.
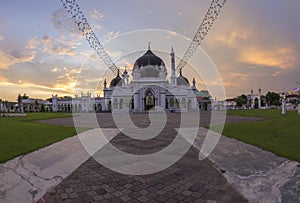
(115, 103)
(121, 104)
(177, 103)
(189, 104)
(183, 103)
(171, 102)
(109, 105)
(99, 107)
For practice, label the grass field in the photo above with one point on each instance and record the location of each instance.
(20, 135)
(279, 134)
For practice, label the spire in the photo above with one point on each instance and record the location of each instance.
(180, 71)
(105, 82)
(173, 77)
(149, 43)
(194, 82)
(118, 74)
(125, 72)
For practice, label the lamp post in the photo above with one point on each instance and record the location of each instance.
(283, 111)
(298, 102)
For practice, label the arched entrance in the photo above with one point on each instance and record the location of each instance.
(149, 100)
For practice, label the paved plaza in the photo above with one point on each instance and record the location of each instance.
(233, 172)
(188, 180)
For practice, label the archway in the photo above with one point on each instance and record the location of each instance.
(149, 100)
(256, 103)
(109, 105)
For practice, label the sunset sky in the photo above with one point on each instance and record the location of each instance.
(254, 44)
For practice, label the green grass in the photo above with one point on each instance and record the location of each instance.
(278, 133)
(21, 135)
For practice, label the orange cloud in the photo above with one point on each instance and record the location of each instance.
(233, 38)
(283, 58)
(6, 60)
(11, 90)
(32, 43)
(62, 50)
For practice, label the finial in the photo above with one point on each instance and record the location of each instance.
(180, 71)
(194, 82)
(149, 43)
(172, 50)
(118, 74)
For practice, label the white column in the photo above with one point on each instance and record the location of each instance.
(136, 102)
(283, 110)
(163, 99)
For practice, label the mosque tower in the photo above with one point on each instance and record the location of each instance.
(173, 75)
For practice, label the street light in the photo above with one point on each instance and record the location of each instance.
(298, 102)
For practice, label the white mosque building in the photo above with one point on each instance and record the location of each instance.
(148, 89)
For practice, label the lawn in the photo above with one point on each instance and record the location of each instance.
(279, 134)
(20, 135)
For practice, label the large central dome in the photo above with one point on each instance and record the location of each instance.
(149, 66)
(149, 58)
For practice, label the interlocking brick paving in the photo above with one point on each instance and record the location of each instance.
(188, 180)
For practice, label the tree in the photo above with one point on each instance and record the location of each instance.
(19, 99)
(241, 100)
(273, 98)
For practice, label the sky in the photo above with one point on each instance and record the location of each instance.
(253, 44)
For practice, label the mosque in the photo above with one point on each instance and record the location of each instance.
(148, 89)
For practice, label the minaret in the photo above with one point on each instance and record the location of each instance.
(125, 76)
(252, 100)
(194, 85)
(104, 84)
(173, 75)
(259, 99)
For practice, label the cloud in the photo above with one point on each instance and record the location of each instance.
(46, 40)
(7, 60)
(282, 58)
(60, 46)
(170, 34)
(11, 90)
(67, 80)
(55, 69)
(63, 23)
(62, 50)
(32, 43)
(234, 38)
(96, 15)
(110, 35)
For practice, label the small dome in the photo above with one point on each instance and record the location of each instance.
(181, 80)
(149, 58)
(116, 81)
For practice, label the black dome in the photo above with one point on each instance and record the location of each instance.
(181, 80)
(116, 81)
(149, 58)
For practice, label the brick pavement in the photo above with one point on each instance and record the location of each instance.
(188, 180)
